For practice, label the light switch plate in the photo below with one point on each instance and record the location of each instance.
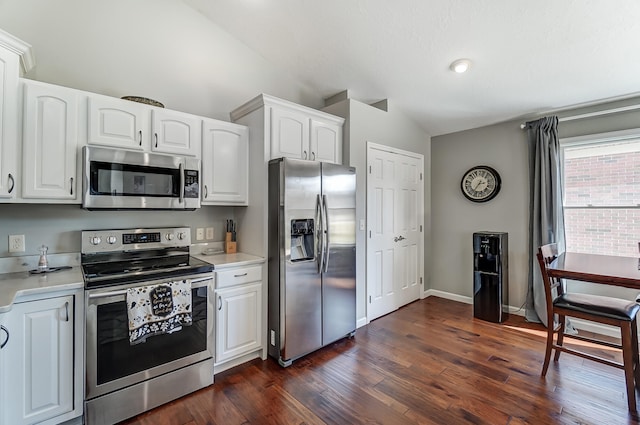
(362, 224)
(209, 233)
(199, 234)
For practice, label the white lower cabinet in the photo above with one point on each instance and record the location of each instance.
(239, 313)
(39, 363)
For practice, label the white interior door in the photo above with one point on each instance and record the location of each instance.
(394, 215)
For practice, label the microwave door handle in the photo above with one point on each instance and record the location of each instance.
(181, 199)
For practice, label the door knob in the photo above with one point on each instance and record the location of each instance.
(398, 238)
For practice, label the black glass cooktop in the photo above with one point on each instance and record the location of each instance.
(116, 270)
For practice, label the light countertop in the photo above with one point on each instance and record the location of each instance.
(18, 284)
(223, 261)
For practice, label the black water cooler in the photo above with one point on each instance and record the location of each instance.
(490, 276)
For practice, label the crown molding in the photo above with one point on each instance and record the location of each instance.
(268, 100)
(20, 48)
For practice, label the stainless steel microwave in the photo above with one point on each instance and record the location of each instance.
(122, 179)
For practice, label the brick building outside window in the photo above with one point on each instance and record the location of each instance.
(601, 178)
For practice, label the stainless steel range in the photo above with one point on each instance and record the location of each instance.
(124, 376)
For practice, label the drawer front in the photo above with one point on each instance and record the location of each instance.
(238, 276)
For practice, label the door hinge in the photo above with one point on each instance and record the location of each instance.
(421, 228)
(369, 169)
(369, 234)
(420, 280)
(369, 299)
(420, 176)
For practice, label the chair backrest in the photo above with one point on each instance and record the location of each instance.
(553, 287)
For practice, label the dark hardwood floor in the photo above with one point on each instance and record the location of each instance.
(430, 362)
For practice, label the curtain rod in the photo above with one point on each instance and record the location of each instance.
(595, 114)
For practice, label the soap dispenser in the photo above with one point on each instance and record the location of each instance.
(43, 264)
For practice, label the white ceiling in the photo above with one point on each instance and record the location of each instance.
(528, 56)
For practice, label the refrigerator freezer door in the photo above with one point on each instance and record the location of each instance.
(301, 293)
(339, 277)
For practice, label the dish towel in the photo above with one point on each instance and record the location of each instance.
(158, 309)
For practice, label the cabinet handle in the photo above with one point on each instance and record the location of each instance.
(314, 155)
(219, 303)
(239, 275)
(6, 340)
(71, 191)
(206, 191)
(140, 136)
(305, 154)
(66, 310)
(156, 136)
(13, 183)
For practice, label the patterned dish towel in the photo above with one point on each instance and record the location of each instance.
(158, 309)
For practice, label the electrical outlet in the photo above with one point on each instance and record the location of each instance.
(16, 243)
(199, 234)
(209, 233)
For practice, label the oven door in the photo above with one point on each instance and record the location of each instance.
(113, 363)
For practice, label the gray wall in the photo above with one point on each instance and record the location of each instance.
(364, 124)
(504, 147)
(59, 226)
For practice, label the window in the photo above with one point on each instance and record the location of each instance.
(602, 193)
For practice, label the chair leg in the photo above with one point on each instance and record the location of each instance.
(636, 354)
(628, 354)
(547, 353)
(563, 321)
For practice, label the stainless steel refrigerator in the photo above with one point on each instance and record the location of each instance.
(312, 256)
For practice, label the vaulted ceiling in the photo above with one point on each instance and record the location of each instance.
(527, 56)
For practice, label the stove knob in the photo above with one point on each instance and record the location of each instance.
(95, 240)
(181, 235)
(111, 240)
(169, 236)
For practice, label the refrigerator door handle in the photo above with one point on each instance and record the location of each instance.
(319, 234)
(326, 233)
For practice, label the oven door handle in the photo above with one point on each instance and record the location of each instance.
(124, 291)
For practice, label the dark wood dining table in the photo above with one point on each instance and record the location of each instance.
(596, 268)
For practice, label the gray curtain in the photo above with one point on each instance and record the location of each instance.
(546, 219)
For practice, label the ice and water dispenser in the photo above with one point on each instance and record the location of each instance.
(302, 239)
(490, 276)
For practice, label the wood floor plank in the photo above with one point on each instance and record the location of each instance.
(427, 363)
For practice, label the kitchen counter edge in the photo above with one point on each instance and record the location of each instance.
(224, 261)
(13, 286)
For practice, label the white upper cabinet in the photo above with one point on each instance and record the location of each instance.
(225, 163)
(13, 54)
(118, 123)
(325, 142)
(50, 142)
(295, 131)
(130, 125)
(175, 132)
(289, 134)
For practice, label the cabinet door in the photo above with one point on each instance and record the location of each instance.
(118, 123)
(289, 134)
(37, 362)
(239, 318)
(50, 142)
(175, 132)
(225, 163)
(8, 123)
(325, 142)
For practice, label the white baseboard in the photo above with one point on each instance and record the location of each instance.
(577, 323)
(362, 322)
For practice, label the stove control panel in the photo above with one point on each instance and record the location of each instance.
(95, 241)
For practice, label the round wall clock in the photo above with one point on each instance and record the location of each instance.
(480, 184)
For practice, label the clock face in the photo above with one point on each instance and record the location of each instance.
(480, 183)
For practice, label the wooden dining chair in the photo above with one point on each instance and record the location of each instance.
(595, 308)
